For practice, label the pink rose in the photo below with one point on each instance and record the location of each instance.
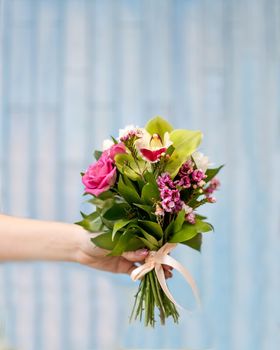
(100, 176)
(118, 148)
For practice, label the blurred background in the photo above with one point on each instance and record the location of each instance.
(73, 72)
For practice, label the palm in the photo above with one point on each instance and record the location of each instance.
(98, 258)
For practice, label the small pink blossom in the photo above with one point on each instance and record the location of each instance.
(187, 209)
(198, 175)
(184, 182)
(159, 211)
(165, 181)
(201, 183)
(186, 168)
(190, 218)
(213, 186)
(211, 199)
(171, 201)
(130, 132)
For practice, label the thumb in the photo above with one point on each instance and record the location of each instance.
(138, 255)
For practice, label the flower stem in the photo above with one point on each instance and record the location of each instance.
(161, 305)
(157, 297)
(149, 297)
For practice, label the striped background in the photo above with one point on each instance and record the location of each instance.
(73, 72)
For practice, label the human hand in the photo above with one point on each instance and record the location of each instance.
(25, 240)
(90, 255)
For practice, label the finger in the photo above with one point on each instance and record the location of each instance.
(167, 267)
(131, 268)
(138, 255)
(168, 274)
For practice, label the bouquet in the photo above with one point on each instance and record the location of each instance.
(146, 187)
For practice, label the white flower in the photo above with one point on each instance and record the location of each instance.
(151, 147)
(201, 161)
(126, 130)
(187, 209)
(107, 144)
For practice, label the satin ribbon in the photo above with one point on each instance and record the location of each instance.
(155, 261)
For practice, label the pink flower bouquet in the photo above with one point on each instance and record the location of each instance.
(147, 186)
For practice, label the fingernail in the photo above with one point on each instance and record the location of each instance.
(142, 252)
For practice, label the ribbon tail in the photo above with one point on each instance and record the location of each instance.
(141, 271)
(168, 260)
(155, 262)
(162, 282)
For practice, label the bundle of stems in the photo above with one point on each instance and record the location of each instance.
(150, 297)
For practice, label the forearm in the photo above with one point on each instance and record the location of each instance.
(25, 239)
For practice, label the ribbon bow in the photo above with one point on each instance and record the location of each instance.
(155, 260)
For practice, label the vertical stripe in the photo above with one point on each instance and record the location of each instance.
(92, 117)
(52, 296)
(10, 316)
(116, 64)
(59, 169)
(23, 296)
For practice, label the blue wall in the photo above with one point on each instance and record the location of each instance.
(73, 72)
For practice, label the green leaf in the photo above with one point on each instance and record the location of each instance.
(114, 140)
(188, 231)
(201, 217)
(185, 143)
(106, 195)
(146, 208)
(91, 217)
(151, 226)
(211, 173)
(148, 244)
(97, 154)
(150, 238)
(180, 219)
(150, 193)
(203, 226)
(141, 183)
(170, 150)
(123, 242)
(133, 244)
(169, 230)
(128, 192)
(104, 241)
(195, 242)
(91, 226)
(109, 224)
(117, 211)
(129, 183)
(139, 230)
(91, 222)
(103, 201)
(126, 165)
(158, 126)
(150, 177)
(119, 225)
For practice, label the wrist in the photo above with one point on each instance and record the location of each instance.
(79, 237)
(26, 239)
(66, 243)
